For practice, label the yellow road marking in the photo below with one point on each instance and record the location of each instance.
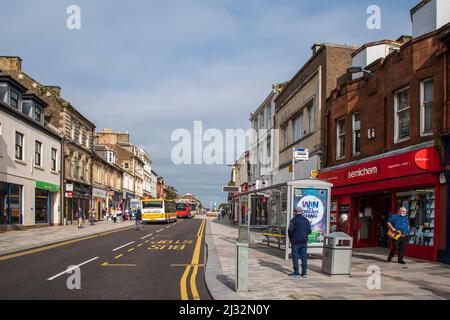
(107, 264)
(147, 241)
(139, 245)
(132, 249)
(185, 265)
(117, 257)
(56, 245)
(194, 263)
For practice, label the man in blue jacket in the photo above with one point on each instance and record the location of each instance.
(400, 222)
(299, 230)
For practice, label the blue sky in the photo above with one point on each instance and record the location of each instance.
(149, 67)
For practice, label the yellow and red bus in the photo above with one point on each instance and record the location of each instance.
(158, 210)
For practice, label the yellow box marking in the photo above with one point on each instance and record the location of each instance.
(132, 249)
(117, 257)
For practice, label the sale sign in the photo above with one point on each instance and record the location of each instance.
(312, 204)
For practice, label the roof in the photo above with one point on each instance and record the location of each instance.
(418, 6)
(376, 43)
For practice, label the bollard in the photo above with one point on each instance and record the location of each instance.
(241, 282)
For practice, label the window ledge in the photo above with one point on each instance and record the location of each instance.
(426, 134)
(20, 161)
(39, 167)
(54, 172)
(401, 140)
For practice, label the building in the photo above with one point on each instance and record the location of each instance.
(147, 183)
(153, 183)
(78, 134)
(240, 176)
(30, 159)
(384, 147)
(299, 108)
(107, 180)
(160, 190)
(130, 159)
(264, 147)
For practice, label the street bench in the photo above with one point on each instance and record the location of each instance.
(274, 235)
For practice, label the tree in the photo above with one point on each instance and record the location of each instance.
(171, 192)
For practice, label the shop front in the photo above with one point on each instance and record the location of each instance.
(10, 203)
(99, 201)
(45, 197)
(370, 192)
(79, 197)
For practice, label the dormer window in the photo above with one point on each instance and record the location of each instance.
(33, 107)
(14, 99)
(37, 114)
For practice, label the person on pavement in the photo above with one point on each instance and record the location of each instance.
(92, 216)
(399, 222)
(137, 219)
(80, 217)
(299, 230)
(105, 214)
(344, 225)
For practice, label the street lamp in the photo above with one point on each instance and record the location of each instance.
(354, 70)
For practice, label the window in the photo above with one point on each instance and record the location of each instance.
(126, 165)
(310, 110)
(356, 133)
(54, 159)
(87, 140)
(4, 94)
(269, 116)
(37, 114)
(426, 106)
(27, 108)
(14, 100)
(340, 143)
(38, 153)
(72, 130)
(298, 127)
(285, 136)
(19, 146)
(80, 136)
(402, 116)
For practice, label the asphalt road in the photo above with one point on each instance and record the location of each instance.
(162, 262)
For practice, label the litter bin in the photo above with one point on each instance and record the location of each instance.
(337, 254)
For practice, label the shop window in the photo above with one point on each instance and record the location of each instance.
(421, 211)
(340, 143)
(19, 146)
(426, 107)
(41, 206)
(402, 115)
(10, 203)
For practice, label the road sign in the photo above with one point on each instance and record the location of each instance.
(230, 189)
(69, 187)
(301, 154)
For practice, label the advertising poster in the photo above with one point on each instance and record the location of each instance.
(312, 204)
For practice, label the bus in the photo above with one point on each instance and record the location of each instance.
(183, 210)
(158, 210)
(192, 208)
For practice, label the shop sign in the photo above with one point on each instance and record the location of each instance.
(301, 154)
(69, 187)
(111, 193)
(69, 194)
(312, 204)
(46, 186)
(99, 193)
(405, 164)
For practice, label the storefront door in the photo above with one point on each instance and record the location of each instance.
(371, 213)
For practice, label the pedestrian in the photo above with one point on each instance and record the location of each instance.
(119, 215)
(114, 216)
(299, 230)
(80, 217)
(92, 216)
(223, 214)
(137, 219)
(398, 222)
(344, 224)
(105, 214)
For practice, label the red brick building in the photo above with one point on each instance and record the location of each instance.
(384, 146)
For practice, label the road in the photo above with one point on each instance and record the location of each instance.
(162, 261)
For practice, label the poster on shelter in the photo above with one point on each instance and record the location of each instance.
(312, 204)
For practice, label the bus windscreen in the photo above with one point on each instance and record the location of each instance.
(151, 204)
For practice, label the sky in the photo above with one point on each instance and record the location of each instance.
(151, 67)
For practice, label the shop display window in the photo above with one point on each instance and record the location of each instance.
(10, 203)
(421, 206)
(41, 206)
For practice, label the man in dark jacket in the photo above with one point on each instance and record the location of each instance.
(138, 219)
(299, 230)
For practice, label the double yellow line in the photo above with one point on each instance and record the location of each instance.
(194, 264)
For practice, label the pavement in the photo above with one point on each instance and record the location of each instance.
(269, 280)
(159, 262)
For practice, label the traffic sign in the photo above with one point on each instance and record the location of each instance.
(301, 154)
(230, 189)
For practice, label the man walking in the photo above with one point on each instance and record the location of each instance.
(80, 217)
(299, 230)
(399, 222)
(138, 219)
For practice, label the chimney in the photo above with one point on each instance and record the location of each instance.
(11, 63)
(429, 15)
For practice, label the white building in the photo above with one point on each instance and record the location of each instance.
(30, 153)
(264, 145)
(153, 183)
(147, 170)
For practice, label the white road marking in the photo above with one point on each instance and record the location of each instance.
(149, 235)
(70, 269)
(123, 246)
(160, 230)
